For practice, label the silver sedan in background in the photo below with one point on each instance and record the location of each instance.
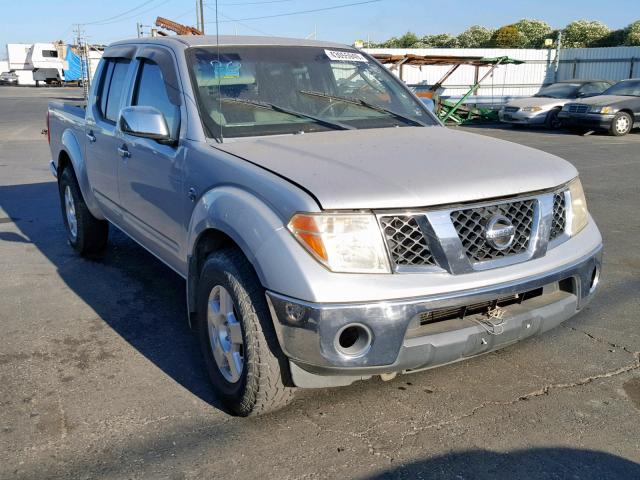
(544, 106)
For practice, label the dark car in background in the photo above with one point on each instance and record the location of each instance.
(544, 106)
(617, 110)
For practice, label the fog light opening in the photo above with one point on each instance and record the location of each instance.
(353, 340)
(595, 279)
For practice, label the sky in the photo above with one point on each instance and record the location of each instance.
(105, 22)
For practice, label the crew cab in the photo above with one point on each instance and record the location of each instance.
(616, 110)
(328, 227)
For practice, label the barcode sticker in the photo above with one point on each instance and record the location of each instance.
(343, 56)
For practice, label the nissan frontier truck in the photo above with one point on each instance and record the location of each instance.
(328, 227)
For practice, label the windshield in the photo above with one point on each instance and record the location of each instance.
(631, 88)
(559, 90)
(255, 90)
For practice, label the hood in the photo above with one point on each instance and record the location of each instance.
(602, 100)
(404, 167)
(543, 102)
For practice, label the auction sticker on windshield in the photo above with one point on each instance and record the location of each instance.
(342, 56)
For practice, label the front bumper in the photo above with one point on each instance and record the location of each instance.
(523, 118)
(308, 332)
(588, 120)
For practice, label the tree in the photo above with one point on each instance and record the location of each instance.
(632, 36)
(534, 32)
(443, 40)
(476, 36)
(584, 33)
(408, 40)
(507, 37)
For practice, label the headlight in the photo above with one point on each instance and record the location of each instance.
(579, 213)
(347, 243)
(602, 110)
(532, 109)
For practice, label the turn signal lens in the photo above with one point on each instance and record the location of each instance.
(579, 212)
(532, 109)
(347, 243)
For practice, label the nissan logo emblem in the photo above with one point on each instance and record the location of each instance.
(499, 232)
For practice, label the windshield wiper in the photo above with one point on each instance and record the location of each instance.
(278, 108)
(363, 103)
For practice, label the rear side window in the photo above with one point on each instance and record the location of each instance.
(151, 91)
(113, 87)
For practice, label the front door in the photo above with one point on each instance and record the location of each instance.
(151, 174)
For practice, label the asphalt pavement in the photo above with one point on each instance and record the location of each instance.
(100, 376)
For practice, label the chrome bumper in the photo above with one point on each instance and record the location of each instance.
(307, 332)
(524, 118)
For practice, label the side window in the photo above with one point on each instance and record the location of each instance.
(116, 89)
(104, 86)
(151, 91)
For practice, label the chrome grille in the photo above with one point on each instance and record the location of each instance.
(470, 226)
(511, 109)
(578, 108)
(559, 221)
(406, 241)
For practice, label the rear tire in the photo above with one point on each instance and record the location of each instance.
(242, 354)
(621, 124)
(86, 234)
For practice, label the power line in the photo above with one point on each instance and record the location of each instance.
(300, 12)
(257, 30)
(96, 22)
(135, 15)
(255, 3)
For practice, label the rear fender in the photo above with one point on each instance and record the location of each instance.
(74, 151)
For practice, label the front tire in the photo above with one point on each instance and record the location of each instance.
(552, 121)
(242, 354)
(621, 124)
(86, 234)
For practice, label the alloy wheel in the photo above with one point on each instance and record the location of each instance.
(225, 334)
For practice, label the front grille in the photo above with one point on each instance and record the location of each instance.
(406, 241)
(559, 221)
(481, 308)
(511, 109)
(578, 108)
(470, 225)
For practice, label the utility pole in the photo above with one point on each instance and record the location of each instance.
(201, 12)
(139, 28)
(558, 48)
(83, 52)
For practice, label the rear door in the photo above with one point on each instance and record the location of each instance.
(151, 175)
(102, 135)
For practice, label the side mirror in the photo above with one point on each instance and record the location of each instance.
(145, 122)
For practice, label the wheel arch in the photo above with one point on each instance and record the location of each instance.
(71, 154)
(226, 217)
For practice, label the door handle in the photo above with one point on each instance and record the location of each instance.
(124, 152)
(91, 136)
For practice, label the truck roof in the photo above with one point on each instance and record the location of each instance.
(186, 41)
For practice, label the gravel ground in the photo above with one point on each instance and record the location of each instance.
(101, 378)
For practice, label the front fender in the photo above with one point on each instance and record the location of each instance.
(71, 146)
(257, 230)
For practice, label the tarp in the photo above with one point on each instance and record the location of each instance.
(74, 63)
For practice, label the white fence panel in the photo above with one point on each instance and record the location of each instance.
(508, 81)
(616, 63)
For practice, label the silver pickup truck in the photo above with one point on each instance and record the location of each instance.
(328, 227)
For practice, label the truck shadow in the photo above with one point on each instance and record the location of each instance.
(532, 464)
(129, 289)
